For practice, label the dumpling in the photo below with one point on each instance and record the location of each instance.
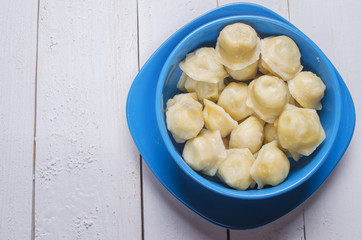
(271, 166)
(233, 100)
(181, 82)
(204, 90)
(307, 89)
(216, 118)
(205, 152)
(243, 74)
(300, 130)
(238, 48)
(270, 134)
(280, 56)
(202, 65)
(184, 117)
(267, 96)
(234, 170)
(249, 134)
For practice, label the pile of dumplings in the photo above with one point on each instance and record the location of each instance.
(247, 106)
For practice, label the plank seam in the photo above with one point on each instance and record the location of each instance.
(35, 119)
(141, 169)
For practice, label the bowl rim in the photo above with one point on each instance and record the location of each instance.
(259, 194)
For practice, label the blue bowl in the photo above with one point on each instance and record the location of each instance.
(313, 59)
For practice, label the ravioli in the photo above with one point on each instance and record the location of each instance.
(267, 96)
(307, 89)
(234, 170)
(233, 101)
(202, 65)
(271, 166)
(280, 56)
(205, 152)
(300, 130)
(238, 48)
(184, 117)
(204, 90)
(249, 134)
(216, 118)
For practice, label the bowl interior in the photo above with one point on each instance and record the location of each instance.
(312, 59)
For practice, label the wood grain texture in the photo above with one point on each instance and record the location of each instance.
(335, 210)
(290, 226)
(87, 166)
(18, 28)
(164, 216)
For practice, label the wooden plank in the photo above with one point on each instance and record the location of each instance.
(278, 6)
(87, 166)
(334, 212)
(287, 227)
(164, 216)
(290, 226)
(18, 27)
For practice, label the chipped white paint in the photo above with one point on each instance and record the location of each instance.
(335, 211)
(87, 166)
(18, 27)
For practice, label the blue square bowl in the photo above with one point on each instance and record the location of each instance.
(313, 59)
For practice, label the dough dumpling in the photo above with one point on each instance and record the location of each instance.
(181, 82)
(249, 134)
(307, 89)
(205, 152)
(235, 169)
(244, 74)
(202, 65)
(233, 100)
(184, 116)
(204, 90)
(300, 130)
(271, 166)
(216, 118)
(270, 134)
(267, 96)
(280, 56)
(238, 48)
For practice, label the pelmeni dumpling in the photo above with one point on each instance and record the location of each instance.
(234, 170)
(233, 100)
(270, 134)
(307, 89)
(202, 65)
(244, 74)
(184, 116)
(204, 90)
(267, 96)
(280, 56)
(216, 118)
(205, 152)
(181, 82)
(300, 130)
(238, 48)
(271, 166)
(249, 134)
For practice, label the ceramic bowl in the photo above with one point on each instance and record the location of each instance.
(313, 59)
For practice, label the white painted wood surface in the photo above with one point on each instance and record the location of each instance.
(87, 173)
(18, 33)
(87, 166)
(164, 216)
(335, 211)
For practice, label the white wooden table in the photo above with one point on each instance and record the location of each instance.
(68, 166)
